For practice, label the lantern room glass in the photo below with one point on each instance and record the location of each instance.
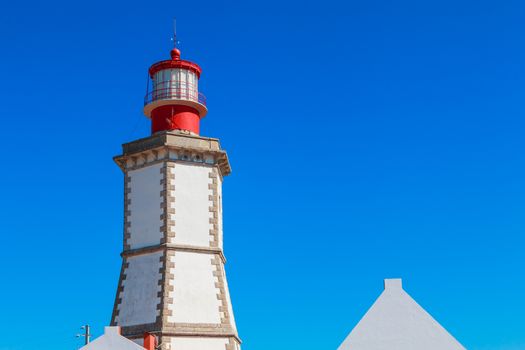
(175, 83)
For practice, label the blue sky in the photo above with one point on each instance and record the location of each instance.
(367, 139)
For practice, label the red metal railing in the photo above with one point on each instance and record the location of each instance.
(166, 92)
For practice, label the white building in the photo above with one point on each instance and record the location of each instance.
(396, 322)
(112, 340)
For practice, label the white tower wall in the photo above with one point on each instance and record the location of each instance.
(140, 290)
(173, 281)
(193, 195)
(144, 217)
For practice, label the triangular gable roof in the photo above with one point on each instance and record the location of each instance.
(397, 322)
(112, 340)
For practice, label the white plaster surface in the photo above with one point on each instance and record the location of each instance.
(396, 322)
(139, 297)
(139, 341)
(145, 206)
(112, 340)
(194, 293)
(192, 214)
(198, 343)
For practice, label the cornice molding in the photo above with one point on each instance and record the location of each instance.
(176, 147)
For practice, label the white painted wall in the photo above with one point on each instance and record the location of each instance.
(145, 206)
(397, 322)
(198, 343)
(192, 215)
(112, 340)
(139, 297)
(194, 295)
(139, 341)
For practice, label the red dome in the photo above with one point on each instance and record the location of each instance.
(175, 62)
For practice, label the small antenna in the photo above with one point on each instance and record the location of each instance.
(174, 38)
(86, 335)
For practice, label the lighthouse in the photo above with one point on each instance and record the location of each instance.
(172, 282)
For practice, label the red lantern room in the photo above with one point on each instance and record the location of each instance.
(174, 102)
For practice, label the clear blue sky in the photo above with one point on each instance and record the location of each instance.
(368, 139)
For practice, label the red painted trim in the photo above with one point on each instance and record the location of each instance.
(175, 117)
(175, 64)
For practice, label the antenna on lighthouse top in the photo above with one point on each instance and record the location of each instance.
(174, 39)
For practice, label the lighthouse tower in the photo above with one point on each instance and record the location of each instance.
(172, 281)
